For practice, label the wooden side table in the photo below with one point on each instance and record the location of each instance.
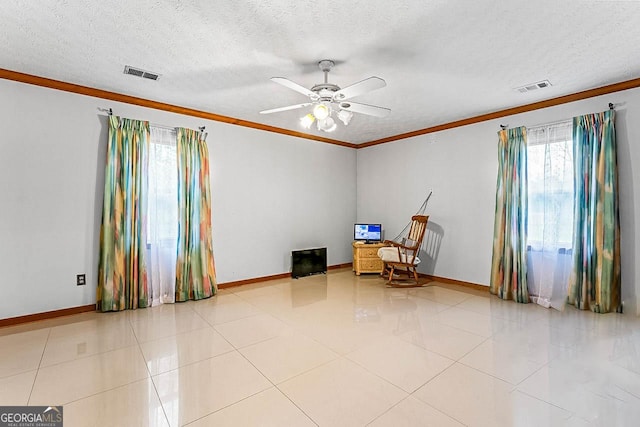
(365, 258)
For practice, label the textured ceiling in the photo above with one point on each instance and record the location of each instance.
(443, 60)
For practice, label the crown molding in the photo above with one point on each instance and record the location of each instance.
(590, 93)
(113, 96)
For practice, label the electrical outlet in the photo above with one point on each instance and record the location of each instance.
(80, 280)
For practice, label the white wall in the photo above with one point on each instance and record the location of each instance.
(460, 165)
(271, 193)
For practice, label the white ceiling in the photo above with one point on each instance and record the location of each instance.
(443, 60)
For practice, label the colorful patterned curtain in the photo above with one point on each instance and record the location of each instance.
(509, 264)
(195, 269)
(595, 280)
(122, 272)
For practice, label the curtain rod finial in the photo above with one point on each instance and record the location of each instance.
(503, 127)
(611, 106)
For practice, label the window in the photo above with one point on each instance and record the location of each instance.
(550, 183)
(550, 213)
(162, 214)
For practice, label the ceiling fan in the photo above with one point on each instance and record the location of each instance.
(327, 98)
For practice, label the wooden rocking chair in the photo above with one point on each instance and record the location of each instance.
(401, 258)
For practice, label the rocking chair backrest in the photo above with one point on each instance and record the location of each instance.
(416, 232)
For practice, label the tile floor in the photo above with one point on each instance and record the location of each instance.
(334, 350)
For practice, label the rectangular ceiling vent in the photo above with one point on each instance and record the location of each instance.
(141, 73)
(533, 86)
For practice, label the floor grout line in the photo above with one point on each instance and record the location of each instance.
(150, 377)
(35, 378)
(276, 387)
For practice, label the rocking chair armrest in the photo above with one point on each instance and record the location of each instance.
(393, 244)
(400, 245)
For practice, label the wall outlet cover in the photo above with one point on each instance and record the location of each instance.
(81, 280)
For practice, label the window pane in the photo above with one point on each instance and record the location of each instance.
(163, 187)
(550, 183)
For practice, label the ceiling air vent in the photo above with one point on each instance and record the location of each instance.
(141, 73)
(150, 76)
(533, 86)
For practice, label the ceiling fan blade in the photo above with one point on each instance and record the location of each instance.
(362, 87)
(290, 107)
(295, 86)
(370, 110)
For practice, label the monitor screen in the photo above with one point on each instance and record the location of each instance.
(367, 232)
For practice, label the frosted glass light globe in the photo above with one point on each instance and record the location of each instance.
(321, 111)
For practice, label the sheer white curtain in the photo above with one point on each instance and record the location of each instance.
(550, 215)
(162, 225)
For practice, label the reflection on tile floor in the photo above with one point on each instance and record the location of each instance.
(332, 350)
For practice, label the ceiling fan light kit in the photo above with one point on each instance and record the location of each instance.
(328, 97)
(307, 121)
(326, 125)
(345, 116)
(321, 111)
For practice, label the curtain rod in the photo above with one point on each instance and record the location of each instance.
(612, 106)
(154, 125)
(109, 112)
(557, 122)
